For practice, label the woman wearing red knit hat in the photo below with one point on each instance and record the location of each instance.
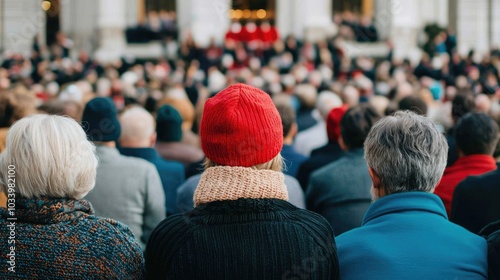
(242, 226)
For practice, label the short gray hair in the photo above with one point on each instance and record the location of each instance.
(51, 157)
(407, 152)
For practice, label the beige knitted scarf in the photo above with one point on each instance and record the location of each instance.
(231, 183)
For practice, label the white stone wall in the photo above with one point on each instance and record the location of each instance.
(472, 26)
(495, 23)
(22, 21)
(79, 21)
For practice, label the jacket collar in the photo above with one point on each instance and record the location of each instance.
(48, 210)
(404, 202)
(476, 160)
(148, 154)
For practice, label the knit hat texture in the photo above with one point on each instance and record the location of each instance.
(333, 122)
(100, 120)
(168, 124)
(241, 127)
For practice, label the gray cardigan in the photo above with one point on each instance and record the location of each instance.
(186, 191)
(128, 190)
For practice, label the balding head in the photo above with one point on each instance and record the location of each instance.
(138, 128)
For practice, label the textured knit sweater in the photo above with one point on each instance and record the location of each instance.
(62, 239)
(242, 228)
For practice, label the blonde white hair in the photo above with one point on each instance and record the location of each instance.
(51, 157)
(137, 125)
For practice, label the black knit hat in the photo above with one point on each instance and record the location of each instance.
(168, 124)
(100, 120)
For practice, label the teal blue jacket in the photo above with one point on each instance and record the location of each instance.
(408, 236)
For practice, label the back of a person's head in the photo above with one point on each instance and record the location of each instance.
(407, 153)
(15, 105)
(356, 123)
(52, 156)
(288, 116)
(168, 124)
(414, 104)
(326, 102)
(462, 104)
(100, 120)
(476, 133)
(137, 127)
(242, 127)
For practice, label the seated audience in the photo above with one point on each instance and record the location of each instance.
(127, 189)
(57, 235)
(242, 220)
(169, 135)
(327, 153)
(340, 191)
(137, 139)
(293, 160)
(475, 201)
(476, 136)
(405, 232)
(492, 235)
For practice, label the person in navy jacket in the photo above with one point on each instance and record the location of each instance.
(405, 233)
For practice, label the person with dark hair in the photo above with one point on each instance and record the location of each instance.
(293, 159)
(405, 233)
(340, 191)
(414, 104)
(476, 135)
(242, 226)
(491, 233)
(462, 104)
(326, 154)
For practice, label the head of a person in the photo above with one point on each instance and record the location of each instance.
(462, 104)
(476, 134)
(168, 124)
(138, 128)
(52, 157)
(326, 102)
(15, 105)
(242, 127)
(355, 125)
(405, 152)
(414, 104)
(288, 120)
(100, 121)
(333, 123)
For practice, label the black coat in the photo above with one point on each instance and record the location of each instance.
(475, 201)
(243, 239)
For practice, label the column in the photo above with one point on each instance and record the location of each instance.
(405, 26)
(284, 21)
(2, 17)
(310, 19)
(79, 22)
(472, 26)
(495, 24)
(208, 19)
(111, 24)
(22, 21)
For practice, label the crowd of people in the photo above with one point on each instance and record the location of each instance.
(259, 158)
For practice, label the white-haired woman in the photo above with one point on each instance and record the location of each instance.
(48, 231)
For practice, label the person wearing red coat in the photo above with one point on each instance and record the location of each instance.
(476, 136)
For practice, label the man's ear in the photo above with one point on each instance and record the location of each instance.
(342, 144)
(293, 131)
(375, 178)
(152, 140)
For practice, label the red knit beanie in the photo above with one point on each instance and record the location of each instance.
(333, 122)
(241, 127)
